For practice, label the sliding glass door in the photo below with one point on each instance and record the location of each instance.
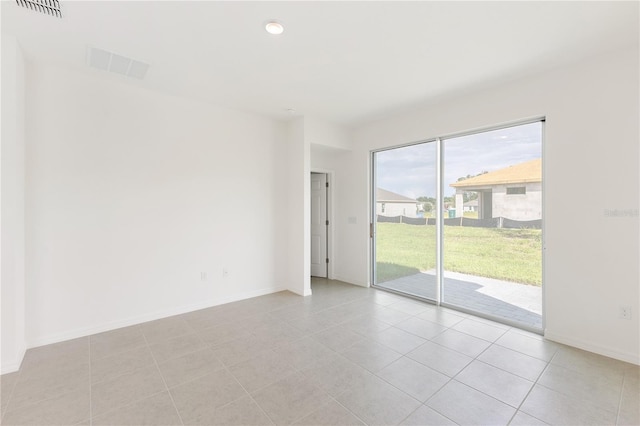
(489, 201)
(404, 207)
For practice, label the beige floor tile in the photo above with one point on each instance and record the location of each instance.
(501, 385)
(378, 403)
(365, 325)
(49, 383)
(76, 350)
(385, 299)
(460, 342)
(422, 328)
(555, 408)
(409, 307)
(125, 389)
(479, 329)
(177, 347)
(425, 416)
(124, 362)
(344, 312)
(65, 409)
(156, 410)
(467, 406)
(188, 367)
(441, 359)
(389, 316)
(523, 419)
(276, 335)
(312, 323)
(337, 338)
(116, 341)
(413, 378)
(541, 349)
(165, 329)
(583, 361)
(398, 340)
(514, 362)
(206, 318)
(241, 412)
(196, 399)
(629, 413)
(371, 355)
(259, 372)
(7, 384)
(441, 316)
(338, 375)
(240, 350)
(224, 333)
(304, 353)
(330, 414)
(290, 399)
(601, 390)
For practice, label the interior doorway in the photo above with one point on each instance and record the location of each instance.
(320, 225)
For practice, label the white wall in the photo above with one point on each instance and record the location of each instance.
(12, 247)
(319, 132)
(590, 153)
(126, 204)
(297, 229)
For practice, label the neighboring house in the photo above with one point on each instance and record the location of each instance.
(391, 204)
(514, 192)
(471, 206)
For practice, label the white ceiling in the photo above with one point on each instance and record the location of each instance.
(347, 62)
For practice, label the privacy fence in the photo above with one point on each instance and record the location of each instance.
(496, 222)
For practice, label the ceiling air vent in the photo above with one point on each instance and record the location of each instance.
(48, 7)
(112, 62)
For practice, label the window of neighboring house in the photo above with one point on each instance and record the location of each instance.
(382, 207)
(516, 190)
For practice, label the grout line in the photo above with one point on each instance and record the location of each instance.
(249, 395)
(624, 379)
(8, 404)
(175, 407)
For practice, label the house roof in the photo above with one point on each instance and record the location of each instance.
(471, 203)
(530, 171)
(382, 195)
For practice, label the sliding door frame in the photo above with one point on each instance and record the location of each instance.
(439, 141)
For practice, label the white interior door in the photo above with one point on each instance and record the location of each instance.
(319, 225)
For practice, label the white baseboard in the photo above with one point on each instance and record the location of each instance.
(87, 331)
(14, 365)
(588, 346)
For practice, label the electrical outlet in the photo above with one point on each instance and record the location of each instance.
(225, 272)
(625, 312)
(203, 276)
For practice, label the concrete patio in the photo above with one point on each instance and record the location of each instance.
(513, 301)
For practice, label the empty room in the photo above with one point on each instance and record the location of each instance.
(320, 213)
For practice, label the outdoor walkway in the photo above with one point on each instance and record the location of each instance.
(513, 301)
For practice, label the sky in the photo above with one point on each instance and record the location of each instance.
(411, 170)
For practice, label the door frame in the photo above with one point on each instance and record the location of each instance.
(330, 217)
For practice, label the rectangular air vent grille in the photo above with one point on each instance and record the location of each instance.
(48, 7)
(112, 62)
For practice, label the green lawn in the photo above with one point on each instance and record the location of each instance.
(507, 254)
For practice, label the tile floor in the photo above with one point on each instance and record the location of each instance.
(344, 356)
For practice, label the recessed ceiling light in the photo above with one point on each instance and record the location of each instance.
(274, 27)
